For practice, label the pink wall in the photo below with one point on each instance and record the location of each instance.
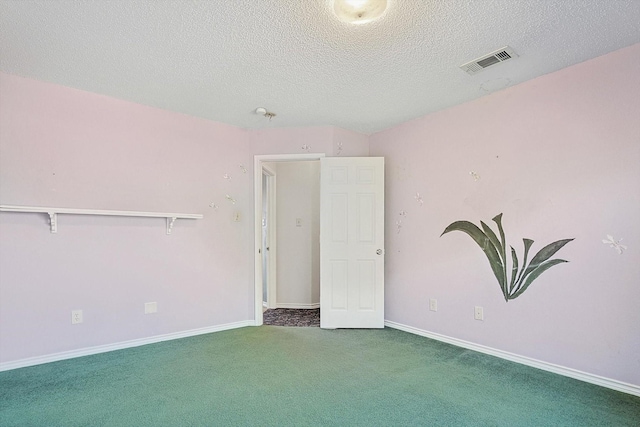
(291, 140)
(560, 157)
(347, 143)
(68, 148)
(331, 141)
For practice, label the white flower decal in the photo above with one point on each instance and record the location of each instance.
(614, 244)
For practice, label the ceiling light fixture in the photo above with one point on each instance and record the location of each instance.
(359, 11)
(264, 112)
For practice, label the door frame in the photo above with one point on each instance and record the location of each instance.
(271, 236)
(257, 204)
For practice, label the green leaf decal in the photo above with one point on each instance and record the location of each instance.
(485, 244)
(492, 236)
(514, 268)
(527, 246)
(496, 251)
(535, 273)
(498, 220)
(544, 254)
(498, 245)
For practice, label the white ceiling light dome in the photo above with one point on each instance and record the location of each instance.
(359, 11)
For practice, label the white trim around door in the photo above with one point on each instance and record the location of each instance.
(257, 193)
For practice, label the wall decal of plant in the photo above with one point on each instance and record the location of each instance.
(496, 251)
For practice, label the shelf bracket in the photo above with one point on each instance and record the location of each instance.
(170, 221)
(53, 221)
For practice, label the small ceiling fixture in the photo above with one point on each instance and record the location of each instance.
(263, 112)
(359, 11)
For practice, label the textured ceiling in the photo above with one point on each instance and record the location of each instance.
(221, 59)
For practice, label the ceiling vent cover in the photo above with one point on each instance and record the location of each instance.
(488, 60)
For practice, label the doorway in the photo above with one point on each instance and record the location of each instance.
(351, 238)
(264, 268)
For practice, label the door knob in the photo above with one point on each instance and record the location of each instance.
(379, 251)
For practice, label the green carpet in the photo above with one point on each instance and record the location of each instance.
(278, 376)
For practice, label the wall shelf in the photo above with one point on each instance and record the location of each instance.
(54, 212)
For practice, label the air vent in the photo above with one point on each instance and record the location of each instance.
(488, 60)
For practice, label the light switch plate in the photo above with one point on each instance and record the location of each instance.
(150, 307)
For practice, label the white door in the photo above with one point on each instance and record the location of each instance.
(352, 242)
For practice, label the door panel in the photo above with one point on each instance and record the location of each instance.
(352, 242)
(339, 284)
(339, 217)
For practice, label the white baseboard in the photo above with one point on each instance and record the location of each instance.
(294, 305)
(22, 363)
(545, 366)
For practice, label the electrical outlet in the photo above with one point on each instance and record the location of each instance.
(433, 304)
(76, 317)
(150, 307)
(298, 222)
(478, 313)
(236, 216)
